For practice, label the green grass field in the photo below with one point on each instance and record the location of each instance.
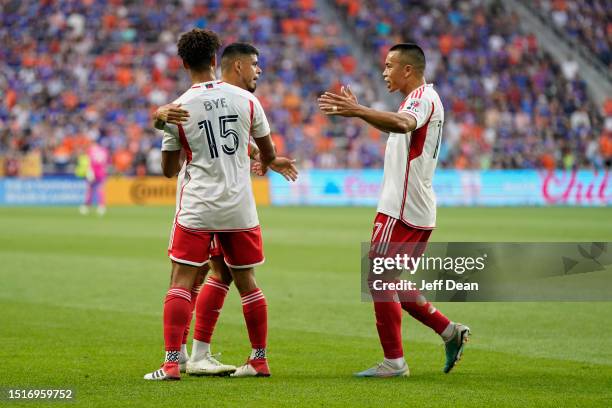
(81, 300)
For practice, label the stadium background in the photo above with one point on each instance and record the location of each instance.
(528, 99)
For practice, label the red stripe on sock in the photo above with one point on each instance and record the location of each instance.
(177, 309)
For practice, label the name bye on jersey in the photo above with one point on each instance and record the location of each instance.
(410, 161)
(215, 193)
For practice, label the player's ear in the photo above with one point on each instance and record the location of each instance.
(408, 70)
(238, 65)
(214, 61)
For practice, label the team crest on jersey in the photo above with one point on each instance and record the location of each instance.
(413, 105)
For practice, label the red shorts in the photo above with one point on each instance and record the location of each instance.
(240, 249)
(391, 236)
(215, 247)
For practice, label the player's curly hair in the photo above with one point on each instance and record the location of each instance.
(198, 47)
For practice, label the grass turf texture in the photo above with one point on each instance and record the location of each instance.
(81, 300)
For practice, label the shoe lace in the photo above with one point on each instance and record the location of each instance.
(211, 358)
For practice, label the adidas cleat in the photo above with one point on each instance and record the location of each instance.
(454, 347)
(383, 370)
(168, 372)
(209, 365)
(253, 368)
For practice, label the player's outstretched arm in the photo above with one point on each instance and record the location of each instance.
(346, 105)
(170, 113)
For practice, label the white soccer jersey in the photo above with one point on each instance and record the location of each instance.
(215, 192)
(410, 161)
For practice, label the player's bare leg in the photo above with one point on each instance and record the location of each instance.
(177, 309)
(208, 308)
(255, 312)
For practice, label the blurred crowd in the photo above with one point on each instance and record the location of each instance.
(589, 22)
(507, 103)
(73, 72)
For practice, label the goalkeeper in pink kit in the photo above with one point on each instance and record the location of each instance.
(98, 158)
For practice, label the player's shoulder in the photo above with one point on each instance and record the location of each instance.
(425, 91)
(237, 91)
(429, 92)
(186, 96)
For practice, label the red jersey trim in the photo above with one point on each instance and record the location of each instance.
(188, 152)
(250, 126)
(251, 115)
(413, 94)
(185, 143)
(418, 136)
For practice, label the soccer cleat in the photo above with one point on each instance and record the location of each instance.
(454, 347)
(167, 372)
(209, 365)
(257, 367)
(383, 370)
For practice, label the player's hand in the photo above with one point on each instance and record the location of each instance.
(282, 165)
(286, 167)
(172, 113)
(346, 91)
(339, 105)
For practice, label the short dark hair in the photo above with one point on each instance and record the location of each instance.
(412, 53)
(198, 47)
(235, 50)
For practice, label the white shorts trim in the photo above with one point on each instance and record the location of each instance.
(244, 266)
(187, 262)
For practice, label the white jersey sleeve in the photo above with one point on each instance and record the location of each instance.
(171, 140)
(259, 126)
(419, 108)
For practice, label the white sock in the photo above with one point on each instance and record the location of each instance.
(395, 363)
(447, 334)
(184, 354)
(199, 349)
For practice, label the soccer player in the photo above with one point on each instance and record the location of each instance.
(407, 208)
(98, 157)
(239, 67)
(215, 198)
